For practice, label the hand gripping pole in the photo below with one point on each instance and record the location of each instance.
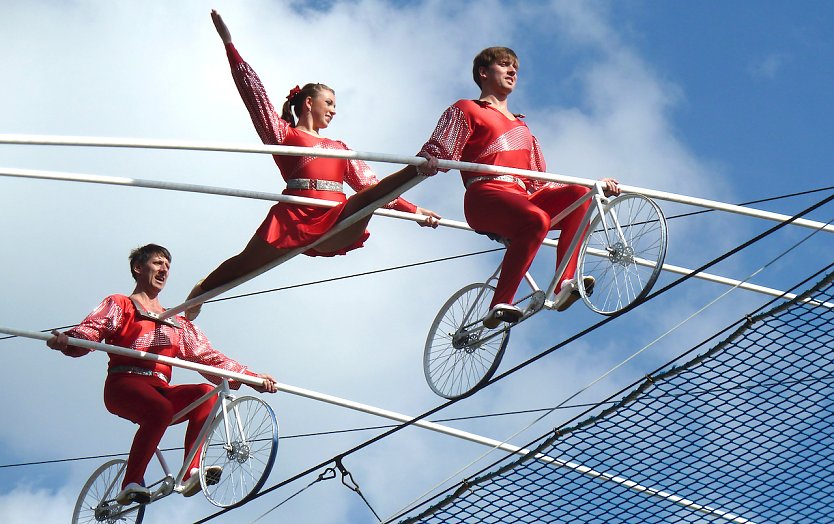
(143, 355)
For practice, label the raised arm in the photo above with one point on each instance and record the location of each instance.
(268, 123)
(220, 25)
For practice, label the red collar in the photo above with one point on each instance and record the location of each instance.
(485, 104)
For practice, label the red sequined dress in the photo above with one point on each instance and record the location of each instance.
(292, 225)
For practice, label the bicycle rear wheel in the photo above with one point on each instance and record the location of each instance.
(244, 444)
(624, 251)
(97, 503)
(460, 353)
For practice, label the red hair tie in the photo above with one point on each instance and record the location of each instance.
(293, 92)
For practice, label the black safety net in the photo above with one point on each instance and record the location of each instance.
(739, 430)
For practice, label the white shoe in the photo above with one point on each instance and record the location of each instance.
(133, 493)
(569, 293)
(192, 486)
(502, 313)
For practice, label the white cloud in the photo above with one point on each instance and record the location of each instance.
(770, 66)
(25, 504)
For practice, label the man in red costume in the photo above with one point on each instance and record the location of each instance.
(140, 390)
(517, 209)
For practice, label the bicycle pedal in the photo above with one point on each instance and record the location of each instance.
(133, 493)
(213, 474)
(502, 313)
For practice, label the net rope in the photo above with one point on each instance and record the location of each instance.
(745, 430)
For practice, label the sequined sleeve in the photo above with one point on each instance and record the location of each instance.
(359, 175)
(105, 320)
(537, 164)
(271, 128)
(195, 347)
(449, 137)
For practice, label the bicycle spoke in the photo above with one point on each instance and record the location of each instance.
(243, 443)
(632, 228)
(96, 502)
(460, 354)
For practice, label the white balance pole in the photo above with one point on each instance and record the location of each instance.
(142, 355)
(388, 158)
(392, 415)
(391, 213)
(189, 188)
(336, 229)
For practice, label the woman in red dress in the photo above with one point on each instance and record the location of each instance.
(289, 226)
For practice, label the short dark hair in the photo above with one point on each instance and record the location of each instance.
(489, 56)
(140, 255)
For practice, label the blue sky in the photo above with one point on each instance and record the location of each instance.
(756, 77)
(728, 100)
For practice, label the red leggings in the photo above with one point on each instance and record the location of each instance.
(152, 403)
(505, 209)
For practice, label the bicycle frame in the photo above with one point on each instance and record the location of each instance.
(538, 298)
(599, 202)
(169, 482)
(619, 248)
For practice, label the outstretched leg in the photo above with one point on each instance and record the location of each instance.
(357, 202)
(257, 254)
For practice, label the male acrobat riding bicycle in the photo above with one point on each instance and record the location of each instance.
(517, 209)
(139, 390)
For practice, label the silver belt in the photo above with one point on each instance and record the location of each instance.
(138, 371)
(312, 183)
(500, 178)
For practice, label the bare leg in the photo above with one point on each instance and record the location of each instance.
(255, 255)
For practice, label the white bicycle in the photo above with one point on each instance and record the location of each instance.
(623, 251)
(240, 435)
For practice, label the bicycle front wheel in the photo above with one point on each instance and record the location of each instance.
(244, 443)
(97, 503)
(461, 354)
(624, 251)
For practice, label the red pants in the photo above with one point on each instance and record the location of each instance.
(507, 210)
(152, 403)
